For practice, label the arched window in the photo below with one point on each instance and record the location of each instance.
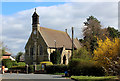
(40, 50)
(34, 52)
(31, 51)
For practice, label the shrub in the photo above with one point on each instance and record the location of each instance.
(19, 68)
(56, 69)
(84, 67)
(8, 63)
(46, 62)
(21, 64)
(14, 63)
(107, 52)
(23, 68)
(82, 53)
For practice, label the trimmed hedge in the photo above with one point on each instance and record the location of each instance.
(46, 62)
(18, 68)
(9, 63)
(85, 67)
(31, 68)
(21, 64)
(50, 69)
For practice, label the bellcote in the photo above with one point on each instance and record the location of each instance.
(35, 18)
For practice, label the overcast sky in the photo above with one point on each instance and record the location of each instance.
(16, 18)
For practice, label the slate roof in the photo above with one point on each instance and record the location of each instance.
(61, 38)
(77, 43)
(7, 54)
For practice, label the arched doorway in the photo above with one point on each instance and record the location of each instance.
(64, 59)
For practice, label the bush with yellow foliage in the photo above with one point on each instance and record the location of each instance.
(107, 52)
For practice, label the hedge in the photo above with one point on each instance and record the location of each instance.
(31, 68)
(82, 67)
(18, 68)
(46, 62)
(21, 64)
(50, 69)
(9, 63)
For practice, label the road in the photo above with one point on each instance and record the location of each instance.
(32, 77)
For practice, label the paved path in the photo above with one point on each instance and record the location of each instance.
(32, 77)
(0, 77)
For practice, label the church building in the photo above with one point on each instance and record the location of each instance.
(43, 41)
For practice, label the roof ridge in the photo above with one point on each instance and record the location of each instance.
(53, 29)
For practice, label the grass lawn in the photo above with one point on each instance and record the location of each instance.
(93, 78)
(58, 74)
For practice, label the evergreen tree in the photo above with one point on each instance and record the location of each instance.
(113, 33)
(55, 57)
(18, 56)
(91, 32)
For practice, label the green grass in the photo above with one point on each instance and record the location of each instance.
(93, 78)
(58, 74)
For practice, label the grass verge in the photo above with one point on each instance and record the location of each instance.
(93, 78)
(58, 74)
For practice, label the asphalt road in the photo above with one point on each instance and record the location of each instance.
(32, 77)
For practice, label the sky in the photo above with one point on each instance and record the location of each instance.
(9, 8)
(17, 18)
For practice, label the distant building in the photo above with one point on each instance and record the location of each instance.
(22, 59)
(7, 56)
(43, 41)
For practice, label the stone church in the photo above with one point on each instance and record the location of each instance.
(43, 41)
